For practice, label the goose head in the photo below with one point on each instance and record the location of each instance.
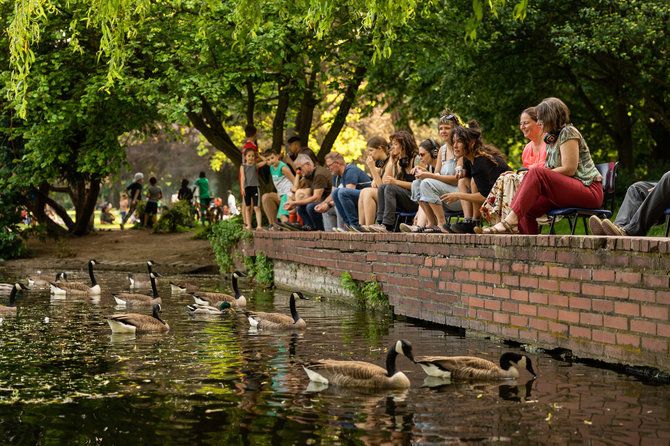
(61, 276)
(510, 359)
(18, 286)
(239, 274)
(151, 263)
(93, 262)
(298, 295)
(404, 348)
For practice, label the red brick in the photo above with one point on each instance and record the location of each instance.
(580, 274)
(580, 303)
(510, 280)
(492, 279)
(568, 316)
(591, 319)
(548, 338)
(606, 337)
(537, 324)
(476, 302)
(548, 284)
(620, 323)
(527, 310)
(492, 304)
(663, 297)
(461, 276)
(510, 307)
(484, 315)
(628, 278)
(528, 282)
(580, 332)
(476, 276)
(654, 345)
(539, 270)
(559, 271)
(591, 289)
(569, 287)
(627, 309)
(538, 298)
(469, 288)
(503, 293)
(520, 295)
(550, 313)
(605, 306)
(654, 312)
(603, 276)
(642, 295)
(558, 300)
(645, 327)
(510, 332)
(627, 339)
(616, 291)
(501, 318)
(519, 321)
(656, 281)
(558, 328)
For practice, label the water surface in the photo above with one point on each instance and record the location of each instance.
(64, 378)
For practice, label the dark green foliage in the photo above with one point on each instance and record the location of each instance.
(11, 243)
(261, 269)
(224, 237)
(368, 294)
(176, 218)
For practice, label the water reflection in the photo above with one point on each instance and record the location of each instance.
(208, 380)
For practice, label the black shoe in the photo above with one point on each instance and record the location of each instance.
(463, 228)
(447, 228)
(307, 228)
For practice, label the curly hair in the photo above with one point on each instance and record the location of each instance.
(407, 143)
(473, 134)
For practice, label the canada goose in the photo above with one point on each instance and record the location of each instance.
(140, 281)
(140, 299)
(11, 307)
(61, 288)
(208, 309)
(183, 286)
(363, 374)
(40, 281)
(215, 299)
(138, 323)
(471, 367)
(278, 321)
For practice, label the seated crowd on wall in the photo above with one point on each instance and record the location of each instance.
(428, 184)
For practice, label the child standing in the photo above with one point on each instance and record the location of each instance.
(283, 178)
(250, 189)
(154, 194)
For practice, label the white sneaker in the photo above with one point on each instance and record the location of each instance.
(377, 228)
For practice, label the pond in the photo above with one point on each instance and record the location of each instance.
(64, 379)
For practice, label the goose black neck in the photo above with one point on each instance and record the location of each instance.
(90, 273)
(149, 267)
(235, 288)
(390, 362)
(12, 298)
(153, 285)
(294, 312)
(157, 316)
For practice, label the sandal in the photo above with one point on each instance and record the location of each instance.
(432, 230)
(508, 229)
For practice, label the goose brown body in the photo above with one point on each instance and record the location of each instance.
(278, 321)
(77, 287)
(140, 299)
(8, 310)
(474, 368)
(216, 299)
(138, 323)
(362, 374)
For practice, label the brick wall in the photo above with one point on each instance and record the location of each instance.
(601, 297)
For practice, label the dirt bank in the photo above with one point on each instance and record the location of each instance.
(118, 250)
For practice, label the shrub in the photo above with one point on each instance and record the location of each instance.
(11, 243)
(224, 237)
(368, 294)
(176, 218)
(261, 269)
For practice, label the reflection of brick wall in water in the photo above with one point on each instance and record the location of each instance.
(603, 298)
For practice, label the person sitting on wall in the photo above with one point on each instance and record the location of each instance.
(395, 192)
(380, 164)
(319, 184)
(348, 181)
(643, 207)
(482, 165)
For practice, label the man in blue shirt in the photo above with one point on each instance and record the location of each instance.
(348, 180)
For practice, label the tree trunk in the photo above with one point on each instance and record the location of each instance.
(211, 128)
(251, 103)
(342, 112)
(280, 117)
(85, 205)
(303, 121)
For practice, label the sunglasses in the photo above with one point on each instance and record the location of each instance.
(448, 118)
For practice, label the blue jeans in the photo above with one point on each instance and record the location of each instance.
(346, 203)
(310, 217)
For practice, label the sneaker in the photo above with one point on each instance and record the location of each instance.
(353, 228)
(404, 227)
(290, 226)
(463, 228)
(377, 228)
(596, 226)
(336, 229)
(613, 229)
